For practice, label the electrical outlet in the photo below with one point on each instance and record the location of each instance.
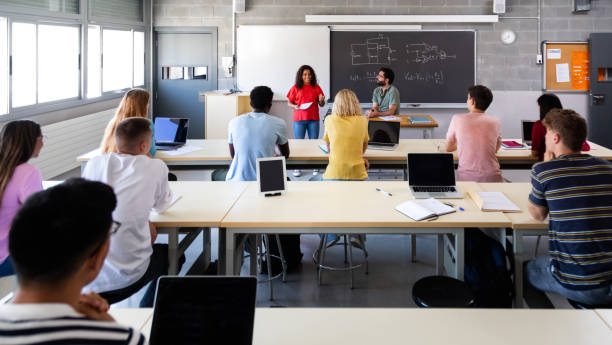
(539, 59)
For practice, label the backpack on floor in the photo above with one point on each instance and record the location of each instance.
(488, 270)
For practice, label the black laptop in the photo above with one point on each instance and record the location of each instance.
(527, 128)
(170, 133)
(208, 310)
(384, 135)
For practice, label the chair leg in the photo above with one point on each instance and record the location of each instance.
(537, 246)
(345, 244)
(365, 253)
(282, 257)
(266, 241)
(413, 247)
(346, 237)
(322, 256)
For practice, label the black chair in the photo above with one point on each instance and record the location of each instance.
(578, 305)
(442, 292)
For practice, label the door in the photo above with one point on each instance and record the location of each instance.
(185, 68)
(600, 96)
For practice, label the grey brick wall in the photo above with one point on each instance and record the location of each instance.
(499, 66)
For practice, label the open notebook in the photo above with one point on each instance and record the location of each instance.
(493, 201)
(424, 208)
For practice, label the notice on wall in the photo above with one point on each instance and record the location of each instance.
(553, 54)
(580, 70)
(563, 75)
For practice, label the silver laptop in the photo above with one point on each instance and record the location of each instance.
(527, 127)
(384, 135)
(432, 175)
(170, 133)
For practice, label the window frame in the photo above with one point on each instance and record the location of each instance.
(80, 103)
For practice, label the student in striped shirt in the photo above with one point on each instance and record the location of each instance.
(575, 191)
(58, 242)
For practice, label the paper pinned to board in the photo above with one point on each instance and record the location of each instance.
(563, 74)
(553, 54)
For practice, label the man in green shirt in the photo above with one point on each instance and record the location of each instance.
(386, 97)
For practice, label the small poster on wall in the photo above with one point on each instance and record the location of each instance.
(580, 70)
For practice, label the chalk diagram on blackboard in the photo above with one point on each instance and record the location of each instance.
(424, 53)
(375, 51)
(436, 77)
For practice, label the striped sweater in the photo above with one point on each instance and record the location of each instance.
(577, 190)
(52, 324)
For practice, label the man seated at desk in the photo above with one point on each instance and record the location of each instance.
(386, 97)
(575, 191)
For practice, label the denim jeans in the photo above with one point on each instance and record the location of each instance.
(6, 267)
(300, 128)
(539, 275)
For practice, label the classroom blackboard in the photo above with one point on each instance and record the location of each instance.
(431, 67)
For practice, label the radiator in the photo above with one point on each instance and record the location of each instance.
(66, 140)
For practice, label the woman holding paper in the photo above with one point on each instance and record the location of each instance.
(305, 97)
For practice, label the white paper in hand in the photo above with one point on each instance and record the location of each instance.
(305, 106)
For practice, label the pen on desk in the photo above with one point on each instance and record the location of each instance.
(382, 191)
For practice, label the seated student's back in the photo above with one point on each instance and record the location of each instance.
(58, 242)
(476, 137)
(254, 135)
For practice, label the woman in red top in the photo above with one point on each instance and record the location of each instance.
(546, 103)
(305, 97)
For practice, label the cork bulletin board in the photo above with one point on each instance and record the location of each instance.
(566, 66)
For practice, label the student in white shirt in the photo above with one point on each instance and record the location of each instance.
(141, 185)
(58, 241)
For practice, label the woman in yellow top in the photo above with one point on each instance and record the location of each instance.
(346, 135)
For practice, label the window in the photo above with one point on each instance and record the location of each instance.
(61, 6)
(139, 58)
(123, 55)
(45, 63)
(4, 87)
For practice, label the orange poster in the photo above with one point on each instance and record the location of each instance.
(580, 70)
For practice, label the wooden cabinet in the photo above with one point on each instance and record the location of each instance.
(220, 110)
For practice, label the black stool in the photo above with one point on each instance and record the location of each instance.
(578, 305)
(442, 292)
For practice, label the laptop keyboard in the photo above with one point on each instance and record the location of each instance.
(434, 189)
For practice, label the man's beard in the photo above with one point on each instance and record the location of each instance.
(381, 83)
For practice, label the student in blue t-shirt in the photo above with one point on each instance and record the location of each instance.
(575, 191)
(255, 135)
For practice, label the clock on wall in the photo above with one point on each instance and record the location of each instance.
(508, 36)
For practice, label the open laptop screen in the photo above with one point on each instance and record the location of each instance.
(431, 169)
(384, 132)
(204, 310)
(171, 130)
(527, 128)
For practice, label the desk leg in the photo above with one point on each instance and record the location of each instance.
(460, 253)
(253, 255)
(440, 255)
(413, 247)
(206, 247)
(517, 239)
(173, 251)
(230, 245)
(221, 252)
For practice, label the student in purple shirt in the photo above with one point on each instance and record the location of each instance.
(19, 141)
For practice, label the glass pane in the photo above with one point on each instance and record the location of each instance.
(62, 6)
(93, 62)
(139, 58)
(24, 64)
(130, 10)
(4, 77)
(117, 60)
(58, 62)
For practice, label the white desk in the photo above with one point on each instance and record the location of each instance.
(606, 315)
(347, 207)
(203, 204)
(357, 326)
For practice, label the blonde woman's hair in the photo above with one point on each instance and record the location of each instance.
(346, 104)
(133, 104)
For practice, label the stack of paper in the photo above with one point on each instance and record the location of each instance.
(493, 201)
(424, 208)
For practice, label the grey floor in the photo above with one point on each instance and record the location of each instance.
(391, 273)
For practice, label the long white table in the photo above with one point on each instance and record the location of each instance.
(357, 326)
(348, 207)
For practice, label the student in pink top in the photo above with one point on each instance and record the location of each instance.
(477, 137)
(19, 141)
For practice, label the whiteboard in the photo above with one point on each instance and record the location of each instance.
(271, 55)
